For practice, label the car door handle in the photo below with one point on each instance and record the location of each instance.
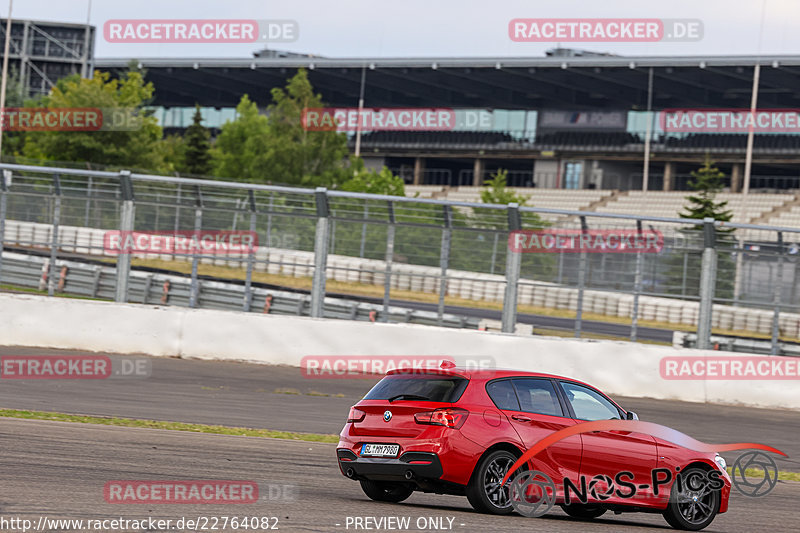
(520, 418)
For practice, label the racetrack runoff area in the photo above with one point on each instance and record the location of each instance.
(47, 461)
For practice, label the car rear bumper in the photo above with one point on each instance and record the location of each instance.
(409, 466)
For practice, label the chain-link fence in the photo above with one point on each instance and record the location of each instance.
(446, 255)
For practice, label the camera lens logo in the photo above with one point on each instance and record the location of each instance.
(754, 485)
(601, 487)
(532, 493)
(387, 415)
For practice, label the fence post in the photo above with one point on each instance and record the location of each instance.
(248, 294)
(320, 253)
(387, 279)
(444, 259)
(777, 298)
(364, 231)
(332, 245)
(513, 263)
(269, 220)
(708, 281)
(494, 251)
(637, 287)
(194, 289)
(88, 202)
(51, 277)
(3, 206)
(178, 208)
(581, 282)
(127, 216)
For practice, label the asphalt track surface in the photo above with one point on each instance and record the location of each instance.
(548, 322)
(58, 469)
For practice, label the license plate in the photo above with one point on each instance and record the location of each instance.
(380, 450)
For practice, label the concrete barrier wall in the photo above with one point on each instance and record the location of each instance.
(619, 368)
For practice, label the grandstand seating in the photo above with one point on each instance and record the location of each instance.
(652, 203)
(543, 198)
(789, 218)
(668, 204)
(425, 191)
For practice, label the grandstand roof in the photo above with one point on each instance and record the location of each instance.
(573, 83)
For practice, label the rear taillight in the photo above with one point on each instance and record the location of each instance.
(356, 415)
(449, 417)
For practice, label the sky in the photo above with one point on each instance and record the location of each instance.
(435, 28)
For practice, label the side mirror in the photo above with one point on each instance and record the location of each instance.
(632, 416)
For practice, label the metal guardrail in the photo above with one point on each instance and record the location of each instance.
(725, 343)
(96, 281)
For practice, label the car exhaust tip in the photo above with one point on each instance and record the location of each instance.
(409, 474)
(351, 473)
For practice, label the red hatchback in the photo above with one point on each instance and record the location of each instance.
(455, 431)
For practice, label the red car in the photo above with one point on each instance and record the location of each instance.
(455, 431)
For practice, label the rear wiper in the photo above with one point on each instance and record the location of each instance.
(408, 397)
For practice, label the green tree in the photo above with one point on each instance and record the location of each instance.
(684, 264)
(136, 148)
(197, 159)
(277, 147)
(14, 141)
(315, 158)
(173, 154)
(239, 151)
(497, 191)
(369, 181)
(707, 183)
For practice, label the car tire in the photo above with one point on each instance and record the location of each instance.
(685, 512)
(583, 512)
(382, 491)
(483, 491)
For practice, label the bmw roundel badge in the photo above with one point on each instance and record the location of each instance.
(387, 416)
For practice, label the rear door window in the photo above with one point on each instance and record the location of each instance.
(537, 396)
(502, 394)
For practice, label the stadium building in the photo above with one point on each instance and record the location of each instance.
(570, 120)
(40, 53)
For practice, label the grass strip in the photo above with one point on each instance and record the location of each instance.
(754, 473)
(173, 426)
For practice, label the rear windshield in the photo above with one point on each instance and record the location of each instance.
(434, 388)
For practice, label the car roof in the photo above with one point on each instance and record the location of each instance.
(481, 374)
